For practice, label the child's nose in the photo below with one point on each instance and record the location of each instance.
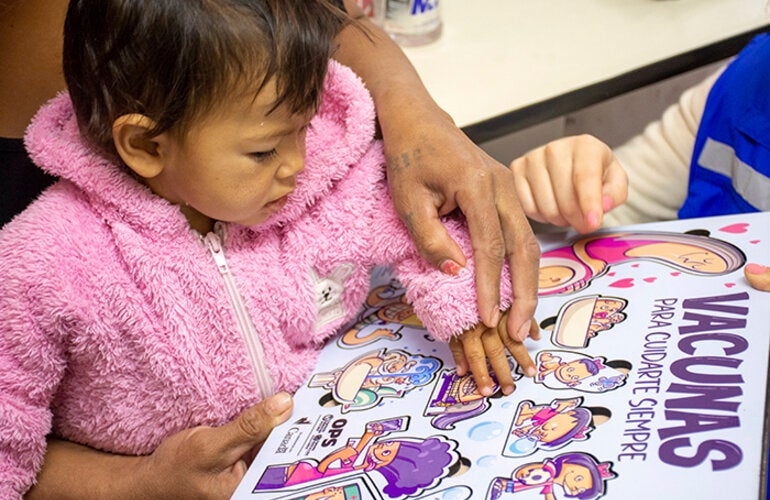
(292, 164)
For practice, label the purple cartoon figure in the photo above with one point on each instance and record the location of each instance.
(405, 466)
(570, 475)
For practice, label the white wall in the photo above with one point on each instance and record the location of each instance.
(614, 121)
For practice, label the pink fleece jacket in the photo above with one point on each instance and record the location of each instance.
(117, 329)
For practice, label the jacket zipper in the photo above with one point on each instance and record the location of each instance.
(264, 381)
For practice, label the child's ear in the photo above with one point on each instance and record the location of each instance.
(138, 151)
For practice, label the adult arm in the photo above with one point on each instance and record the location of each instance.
(30, 44)
(433, 168)
(202, 462)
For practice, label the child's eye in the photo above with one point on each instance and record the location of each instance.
(264, 155)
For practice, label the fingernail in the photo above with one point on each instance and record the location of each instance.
(755, 269)
(607, 203)
(486, 391)
(524, 330)
(592, 219)
(279, 403)
(529, 371)
(508, 390)
(450, 267)
(495, 317)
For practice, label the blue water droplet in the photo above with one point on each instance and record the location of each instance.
(522, 446)
(457, 493)
(485, 431)
(487, 461)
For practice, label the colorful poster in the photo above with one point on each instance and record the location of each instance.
(651, 382)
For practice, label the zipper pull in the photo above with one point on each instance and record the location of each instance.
(215, 248)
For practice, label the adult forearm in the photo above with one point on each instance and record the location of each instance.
(74, 471)
(385, 69)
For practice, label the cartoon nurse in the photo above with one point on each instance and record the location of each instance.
(571, 268)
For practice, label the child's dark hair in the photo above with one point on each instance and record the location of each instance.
(173, 60)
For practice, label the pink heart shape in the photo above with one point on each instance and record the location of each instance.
(624, 283)
(754, 242)
(634, 265)
(611, 274)
(729, 285)
(675, 273)
(651, 279)
(740, 227)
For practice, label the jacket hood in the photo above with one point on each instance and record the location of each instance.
(338, 137)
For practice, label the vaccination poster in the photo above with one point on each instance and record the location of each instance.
(651, 382)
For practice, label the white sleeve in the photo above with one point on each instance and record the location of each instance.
(658, 160)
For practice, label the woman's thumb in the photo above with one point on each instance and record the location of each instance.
(252, 427)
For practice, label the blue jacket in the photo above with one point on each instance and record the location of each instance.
(730, 169)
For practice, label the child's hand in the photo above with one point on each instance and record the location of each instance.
(472, 349)
(571, 181)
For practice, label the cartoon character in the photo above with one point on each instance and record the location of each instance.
(571, 268)
(559, 370)
(578, 474)
(582, 318)
(457, 398)
(363, 382)
(547, 427)
(387, 315)
(328, 292)
(407, 465)
(348, 492)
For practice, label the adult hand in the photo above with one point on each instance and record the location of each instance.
(571, 181)
(758, 276)
(475, 347)
(202, 462)
(211, 461)
(434, 169)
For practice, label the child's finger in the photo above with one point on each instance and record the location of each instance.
(534, 330)
(518, 350)
(456, 347)
(589, 172)
(498, 360)
(615, 188)
(758, 276)
(473, 350)
(535, 189)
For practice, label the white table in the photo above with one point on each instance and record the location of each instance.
(503, 65)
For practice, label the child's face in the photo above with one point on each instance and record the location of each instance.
(237, 164)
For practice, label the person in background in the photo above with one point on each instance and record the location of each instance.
(709, 154)
(222, 200)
